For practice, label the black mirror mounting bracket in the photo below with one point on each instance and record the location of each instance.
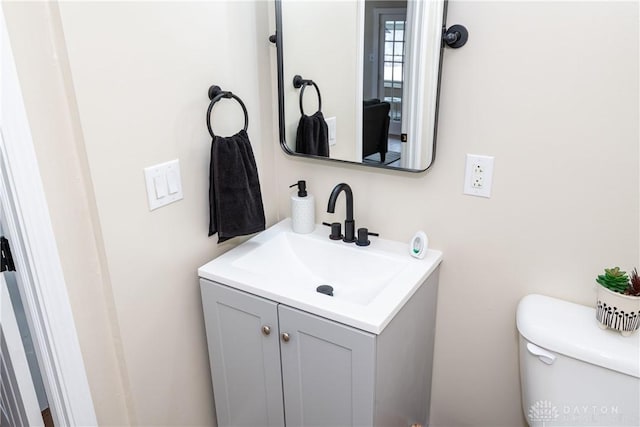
(455, 36)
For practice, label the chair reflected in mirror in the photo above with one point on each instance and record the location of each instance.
(375, 130)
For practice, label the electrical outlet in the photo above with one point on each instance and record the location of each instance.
(331, 127)
(478, 175)
(477, 180)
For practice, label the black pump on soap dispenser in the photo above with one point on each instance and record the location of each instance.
(302, 209)
(302, 188)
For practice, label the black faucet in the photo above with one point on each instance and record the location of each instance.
(349, 223)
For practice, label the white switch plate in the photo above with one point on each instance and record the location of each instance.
(163, 184)
(331, 125)
(478, 175)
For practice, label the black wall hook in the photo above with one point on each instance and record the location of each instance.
(455, 36)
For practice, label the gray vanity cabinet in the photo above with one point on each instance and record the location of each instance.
(274, 365)
(327, 371)
(327, 368)
(242, 336)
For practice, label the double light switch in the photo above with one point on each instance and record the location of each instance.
(163, 184)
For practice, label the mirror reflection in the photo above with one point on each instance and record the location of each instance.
(366, 80)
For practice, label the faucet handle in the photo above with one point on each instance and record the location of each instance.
(336, 230)
(363, 236)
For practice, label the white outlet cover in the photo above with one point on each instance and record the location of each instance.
(478, 170)
(331, 127)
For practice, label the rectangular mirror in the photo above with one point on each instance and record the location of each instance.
(368, 74)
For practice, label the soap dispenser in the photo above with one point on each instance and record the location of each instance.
(303, 210)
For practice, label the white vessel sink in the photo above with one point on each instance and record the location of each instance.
(370, 284)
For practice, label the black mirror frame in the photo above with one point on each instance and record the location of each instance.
(277, 40)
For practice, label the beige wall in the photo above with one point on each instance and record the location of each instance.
(546, 89)
(557, 108)
(141, 73)
(36, 40)
(328, 55)
(136, 95)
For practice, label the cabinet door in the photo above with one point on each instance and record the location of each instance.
(328, 371)
(244, 356)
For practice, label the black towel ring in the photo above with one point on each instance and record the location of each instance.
(300, 83)
(215, 95)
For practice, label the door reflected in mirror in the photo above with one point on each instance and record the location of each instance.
(367, 90)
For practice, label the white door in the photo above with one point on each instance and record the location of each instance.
(18, 401)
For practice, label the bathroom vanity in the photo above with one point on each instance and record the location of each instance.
(282, 353)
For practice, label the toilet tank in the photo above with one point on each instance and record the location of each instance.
(573, 373)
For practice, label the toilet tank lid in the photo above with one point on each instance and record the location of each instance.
(573, 330)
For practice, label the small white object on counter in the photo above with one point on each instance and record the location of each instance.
(419, 245)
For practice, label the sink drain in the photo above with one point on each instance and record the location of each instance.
(325, 289)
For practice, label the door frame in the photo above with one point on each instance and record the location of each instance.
(35, 253)
(423, 43)
(377, 61)
(395, 127)
(19, 392)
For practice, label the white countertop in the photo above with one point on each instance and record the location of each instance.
(284, 285)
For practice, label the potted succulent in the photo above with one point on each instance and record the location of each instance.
(619, 300)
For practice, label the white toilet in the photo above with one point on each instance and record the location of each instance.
(573, 373)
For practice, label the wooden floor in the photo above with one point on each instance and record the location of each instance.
(48, 419)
